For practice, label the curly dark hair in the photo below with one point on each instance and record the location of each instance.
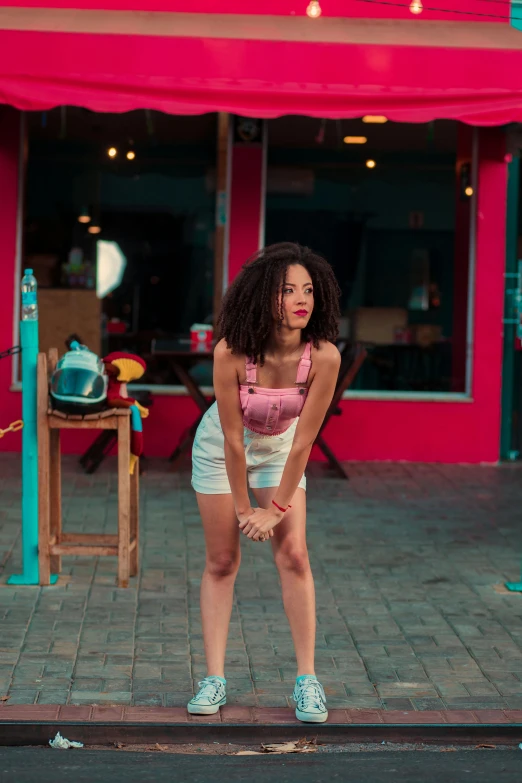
(246, 319)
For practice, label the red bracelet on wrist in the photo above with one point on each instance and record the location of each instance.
(281, 507)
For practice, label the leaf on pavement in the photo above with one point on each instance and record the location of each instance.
(301, 746)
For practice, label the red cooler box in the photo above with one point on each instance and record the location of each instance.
(201, 336)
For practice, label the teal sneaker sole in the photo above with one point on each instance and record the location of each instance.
(311, 717)
(203, 709)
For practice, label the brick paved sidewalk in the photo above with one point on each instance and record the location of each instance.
(406, 559)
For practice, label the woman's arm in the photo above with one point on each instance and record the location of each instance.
(327, 362)
(227, 395)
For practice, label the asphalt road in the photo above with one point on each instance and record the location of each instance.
(45, 765)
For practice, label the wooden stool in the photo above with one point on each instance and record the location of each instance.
(52, 542)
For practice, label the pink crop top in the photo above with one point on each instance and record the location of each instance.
(272, 411)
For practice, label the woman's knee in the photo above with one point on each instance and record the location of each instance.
(294, 558)
(223, 564)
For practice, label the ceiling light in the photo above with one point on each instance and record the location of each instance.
(94, 229)
(84, 216)
(375, 119)
(313, 9)
(416, 7)
(370, 164)
(355, 139)
(131, 155)
(112, 152)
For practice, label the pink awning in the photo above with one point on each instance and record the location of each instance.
(262, 66)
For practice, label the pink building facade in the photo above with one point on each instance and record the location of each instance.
(263, 67)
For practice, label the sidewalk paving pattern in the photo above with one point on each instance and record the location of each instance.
(406, 559)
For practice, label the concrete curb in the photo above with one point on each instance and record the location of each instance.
(36, 724)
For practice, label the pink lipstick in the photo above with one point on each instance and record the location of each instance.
(301, 312)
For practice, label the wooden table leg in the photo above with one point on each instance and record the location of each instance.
(185, 440)
(330, 456)
(55, 496)
(135, 519)
(190, 384)
(200, 400)
(100, 449)
(124, 483)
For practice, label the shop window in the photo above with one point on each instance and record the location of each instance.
(119, 228)
(388, 205)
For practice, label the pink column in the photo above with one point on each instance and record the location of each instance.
(247, 201)
(461, 262)
(10, 403)
(489, 290)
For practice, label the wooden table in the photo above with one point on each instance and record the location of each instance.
(182, 356)
(352, 359)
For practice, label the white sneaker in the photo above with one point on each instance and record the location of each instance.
(311, 701)
(210, 697)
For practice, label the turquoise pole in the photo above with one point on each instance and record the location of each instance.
(29, 344)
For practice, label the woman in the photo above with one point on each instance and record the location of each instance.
(275, 372)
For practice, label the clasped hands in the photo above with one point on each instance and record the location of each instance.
(258, 523)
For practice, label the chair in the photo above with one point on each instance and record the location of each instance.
(352, 358)
(52, 542)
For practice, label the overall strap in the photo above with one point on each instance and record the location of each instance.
(305, 363)
(251, 370)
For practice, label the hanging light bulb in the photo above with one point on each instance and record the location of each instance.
(374, 119)
(94, 229)
(468, 191)
(313, 9)
(355, 139)
(112, 152)
(131, 155)
(370, 164)
(84, 216)
(416, 7)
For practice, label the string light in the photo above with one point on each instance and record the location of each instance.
(374, 119)
(370, 164)
(416, 7)
(131, 155)
(112, 152)
(313, 9)
(448, 10)
(355, 139)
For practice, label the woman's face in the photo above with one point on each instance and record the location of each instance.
(296, 297)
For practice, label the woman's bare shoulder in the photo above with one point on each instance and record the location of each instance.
(327, 354)
(222, 353)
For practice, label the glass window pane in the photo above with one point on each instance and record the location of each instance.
(120, 209)
(388, 205)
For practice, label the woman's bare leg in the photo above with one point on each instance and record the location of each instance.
(291, 558)
(223, 556)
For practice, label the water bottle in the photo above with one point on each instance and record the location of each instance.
(29, 302)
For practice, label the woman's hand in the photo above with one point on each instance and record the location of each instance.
(244, 516)
(260, 524)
